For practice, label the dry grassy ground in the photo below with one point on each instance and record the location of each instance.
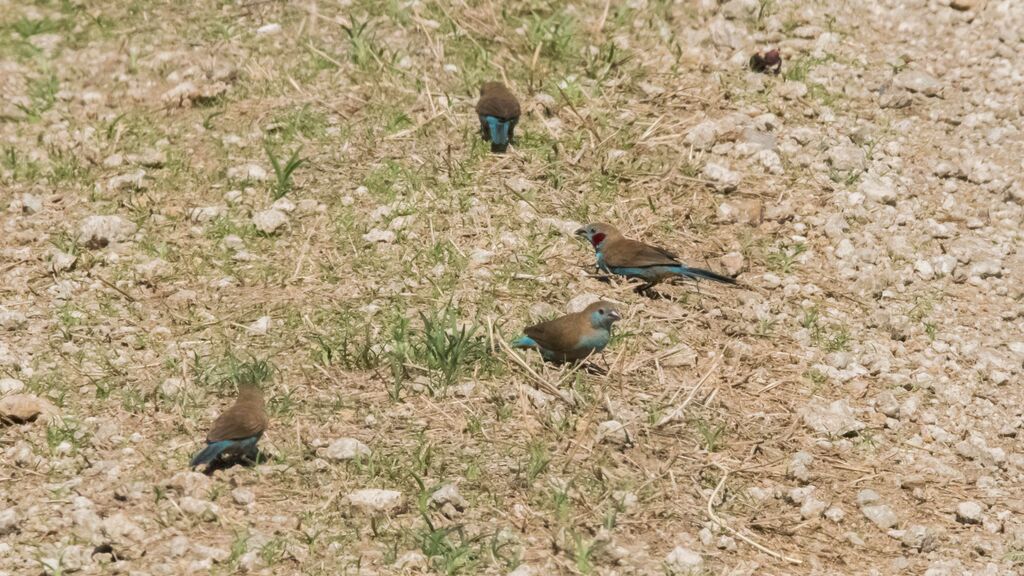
(854, 409)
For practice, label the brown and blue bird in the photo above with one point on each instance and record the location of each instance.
(499, 111)
(237, 430)
(573, 336)
(623, 256)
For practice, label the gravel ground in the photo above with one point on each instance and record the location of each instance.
(853, 408)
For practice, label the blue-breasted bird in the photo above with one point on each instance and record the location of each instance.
(573, 336)
(617, 254)
(236, 431)
(499, 113)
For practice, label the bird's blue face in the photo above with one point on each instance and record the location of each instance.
(593, 233)
(604, 317)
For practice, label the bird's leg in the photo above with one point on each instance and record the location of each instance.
(643, 288)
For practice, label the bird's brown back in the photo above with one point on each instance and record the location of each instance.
(246, 417)
(560, 334)
(625, 252)
(497, 100)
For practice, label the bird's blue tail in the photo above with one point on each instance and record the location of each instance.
(210, 453)
(697, 273)
(498, 130)
(524, 342)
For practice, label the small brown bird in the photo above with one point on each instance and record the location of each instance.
(617, 254)
(236, 431)
(498, 110)
(573, 336)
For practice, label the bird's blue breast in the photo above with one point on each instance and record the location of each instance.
(497, 128)
(596, 340)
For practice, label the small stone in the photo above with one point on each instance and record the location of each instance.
(24, 408)
(10, 386)
(733, 263)
(742, 211)
(887, 404)
(702, 136)
(203, 509)
(11, 320)
(99, 231)
(683, 560)
(835, 419)
(260, 326)
(449, 494)
(798, 466)
(867, 496)
(151, 158)
(799, 494)
(374, 500)
(27, 204)
(612, 431)
(253, 172)
(881, 190)
(8, 521)
(268, 29)
(924, 269)
(881, 514)
(918, 81)
(204, 214)
(243, 496)
(346, 449)
(722, 178)
(846, 157)
(378, 235)
(919, 537)
(835, 514)
(268, 221)
(128, 182)
(152, 270)
(480, 257)
(523, 570)
(61, 261)
(283, 204)
(812, 508)
(578, 303)
(969, 513)
(307, 206)
(411, 561)
(170, 387)
(771, 162)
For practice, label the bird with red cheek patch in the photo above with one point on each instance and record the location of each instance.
(623, 256)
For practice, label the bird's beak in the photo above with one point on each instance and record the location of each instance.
(614, 315)
(581, 232)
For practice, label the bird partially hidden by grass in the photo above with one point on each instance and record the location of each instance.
(623, 256)
(499, 113)
(572, 337)
(237, 430)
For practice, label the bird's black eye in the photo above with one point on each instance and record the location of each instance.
(600, 310)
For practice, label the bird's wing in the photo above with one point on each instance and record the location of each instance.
(240, 421)
(501, 105)
(631, 253)
(561, 334)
